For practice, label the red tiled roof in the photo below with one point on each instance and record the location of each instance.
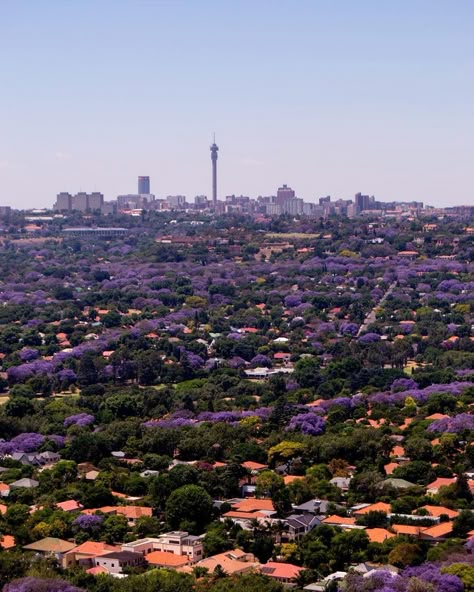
(286, 571)
(166, 559)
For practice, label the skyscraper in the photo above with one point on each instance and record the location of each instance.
(143, 185)
(284, 193)
(214, 150)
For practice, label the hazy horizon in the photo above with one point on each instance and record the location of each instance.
(362, 96)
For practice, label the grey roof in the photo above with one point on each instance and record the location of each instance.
(121, 555)
(399, 483)
(48, 455)
(299, 520)
(314, 506)
(25, 482)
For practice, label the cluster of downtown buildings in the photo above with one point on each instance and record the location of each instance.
(284, 202)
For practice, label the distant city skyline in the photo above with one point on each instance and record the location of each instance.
(330, 98)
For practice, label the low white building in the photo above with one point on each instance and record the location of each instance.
(177, 542)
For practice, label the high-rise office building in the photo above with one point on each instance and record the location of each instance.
(176, 202)
(214, 151)
(143, 185)
(284, 193)
(63, 202)
(95, 201)
(80, 201)
(362, 202)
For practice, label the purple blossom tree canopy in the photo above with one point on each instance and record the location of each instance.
(169, 424)
(349, 329)
(27, 442)
(67, 375)
(307, 423)
(453, 425)
(79, 419)
(28, 354)
(88, 522)
(292, 300)
(369, 338)
(31, 584)
(261, 360)
(403, 384)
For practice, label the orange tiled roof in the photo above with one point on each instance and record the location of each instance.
(378, 535)
(253, 505)
(133, 512)
(439, 510)
(166, 559)
(441, 482)
(435, 416)
(390, 467)
(275, 569)
(244, 515)
(69, 505)
(440, 530)
(378, 507)
(96, 570)
(338, 520)
(253, 466)
(407, 529)
(398, 451)
(290, 478)
(94, 548)
(7, 541)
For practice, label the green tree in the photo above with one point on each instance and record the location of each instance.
(191, 506)
(115, 528)
(405, 554)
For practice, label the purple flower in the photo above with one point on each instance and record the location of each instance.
(80, 419)
(349, 329)
(169, 424)
(88, 522)
(28, 354)
(31, 584)
(403, 384)
(27, 442)
(307, 423)
(453, 425)
(292, 300)
(369, 338)
(67, 375)
(261, 360)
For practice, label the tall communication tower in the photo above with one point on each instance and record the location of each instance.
(214, 151)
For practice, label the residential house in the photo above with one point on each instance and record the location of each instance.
(116, 561)
(7, 541)
(4, 490)
(232, 562)
(69, 506)
(166, 560)
(316, 507)
(297, 525)
(51, 546)
(363, 509)
(378, 535)
(179, 543)
(83, 555)
(25, 482)
(342, 483)
(286, 573)
(341, 521)
(434, 487)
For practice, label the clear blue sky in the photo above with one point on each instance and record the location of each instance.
(330, 97)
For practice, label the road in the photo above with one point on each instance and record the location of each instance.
(370, 318)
